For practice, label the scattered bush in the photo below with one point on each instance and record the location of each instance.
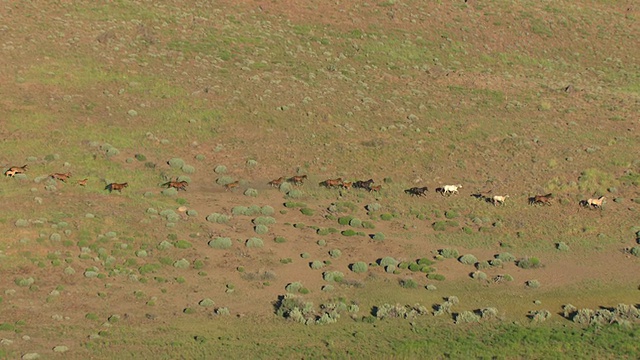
(451, 214)
(561, 246)
(345, 220)
(467, 317)
(333, 276)
(359, 267)
(176, 163)
(539, 316)
(307, 211)
(378, 236)
(448, 253)
(261, 229)
(221, 243)
(251, 192)
(533, 284)
(316, 265)
(408, 284)
(436, 277)
(386, 217)
(348, 232)
(355, 222)
(220, 169)
(217, 218)
(528, 263)
(505, 257)
(335, 253)
(387, 260)
(468, 259)
(279, 239)
(267, 210)
(254, 242)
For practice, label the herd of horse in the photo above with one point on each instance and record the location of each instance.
(368, 185)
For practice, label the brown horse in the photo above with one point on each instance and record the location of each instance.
(375, 188)
(347, 185)
(178, 185)
(277, 182)
(232, 185)
(332, 182)
(541, 199)
(82, 182)
(363, 184)
(115, 186)
(60, 176)
(297, 180)
(14, 170)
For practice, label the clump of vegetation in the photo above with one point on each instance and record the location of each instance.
(448, 253)
(221, 243)
(529, 263)
(505, 257)
(561, 246)
(335, 253)
(254, 242)
(378, 236)
(408, 284)
(468, 259)
(539, 316)
(176, 163)
(445, 308)
(399, 311)
(261, 229)
(359, 267)
(333, 276)
(220, 169)
(373, 207)
(218, 218)
(386, 216)
(279, 239)
(224, 180)
(316, 264)
(291, 307)
(533, 284)
(465, 317)
(264, 220)
(307, 211)
(251, 192)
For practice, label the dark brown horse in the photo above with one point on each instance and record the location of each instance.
(541, 199)
(417, 191)
(115, 186)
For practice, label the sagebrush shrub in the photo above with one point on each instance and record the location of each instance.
(448, 253)
(221, 243)
(468, 259)
(359, 267)
(254, 242)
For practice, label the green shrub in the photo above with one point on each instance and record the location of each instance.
(344, 220)
(220, 169)
(333, 276)
(261, 229)
(221, 243)
(533, 284)
(505, 257)
(387, 260)
(264, 220)
(293, 204)
(294, 194)
(373, 207)
(254, 242)
(635, 251)
(22, 223)
(251, 192)
(316, 265)
(355, 222)
(528, 263)
(181, 264)
(468, 259)
(217, 218)
(439, 226)
(414, 267)
(386, 217)
(176, 163)
(279, 239)
(378, 236)
(307, 211)
(408, 284)
(335, 253)
(188, 169)
(294, 287)
(451, 214)
(448, 253)
(348, 232)
(368, 225)
(252, 163)
(182, 244)
(425, 261)
(436, 277)
(321, 242)
(224, 180)
(267, 210)
(561, 246)
(359, 267)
